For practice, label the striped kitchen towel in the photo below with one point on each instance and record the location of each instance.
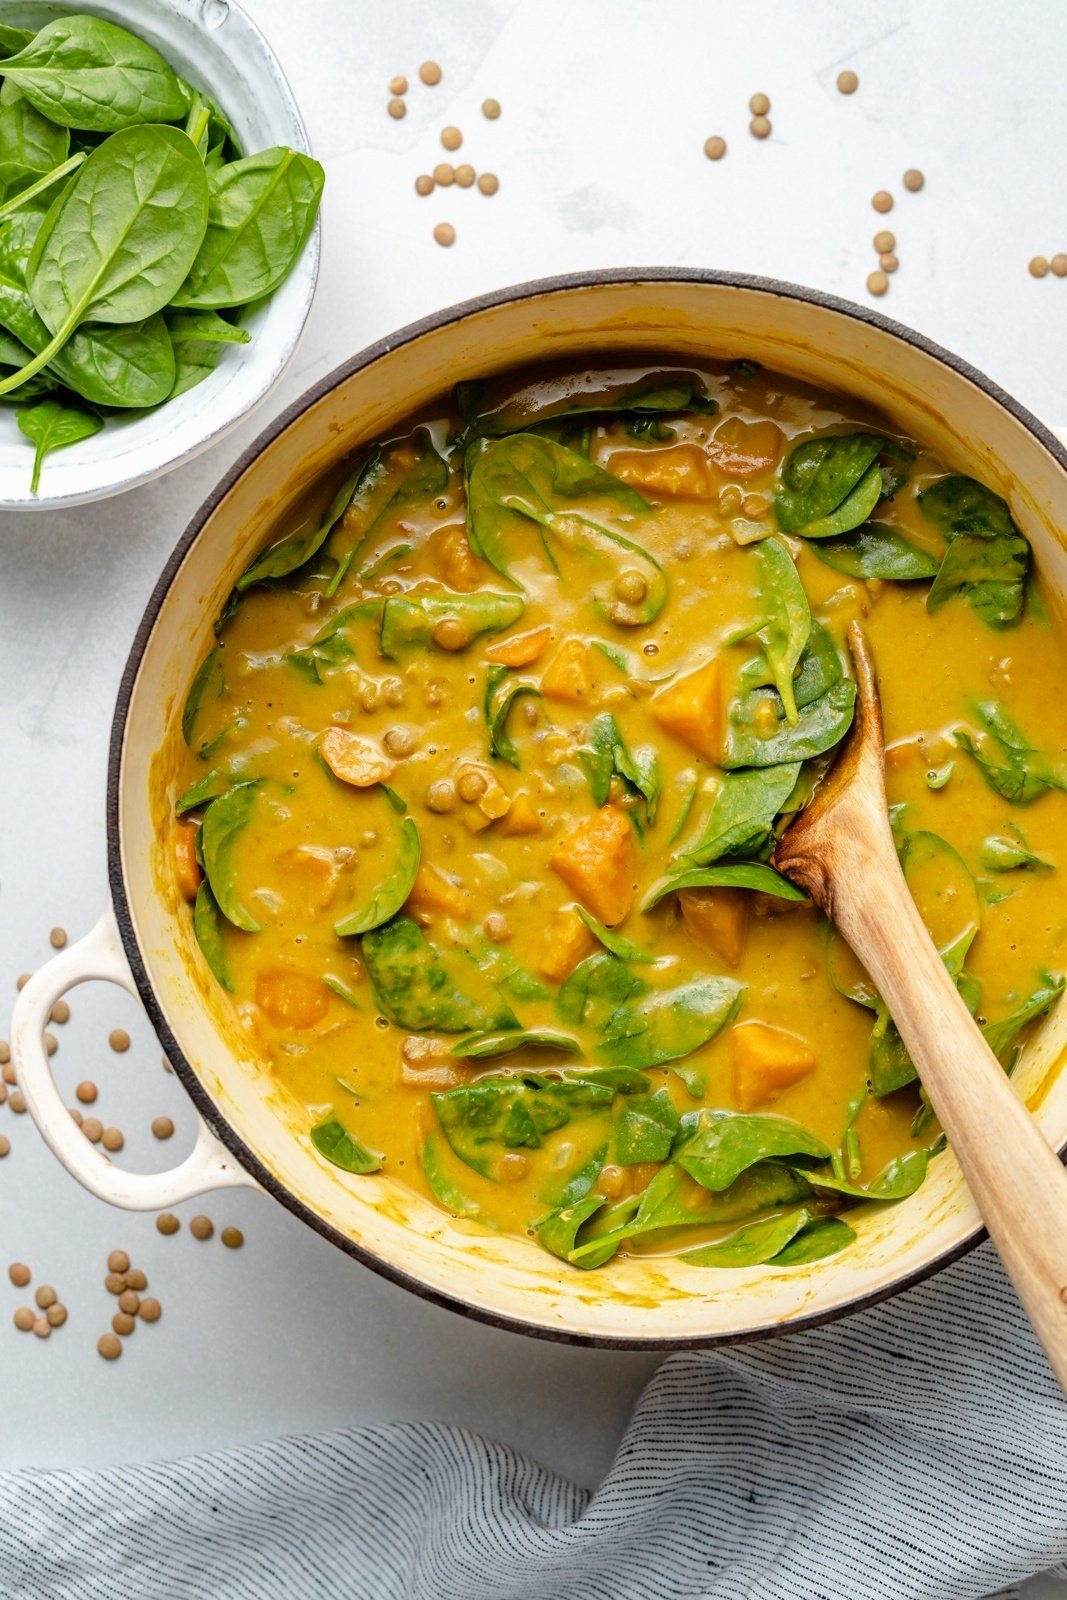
(915, 1452)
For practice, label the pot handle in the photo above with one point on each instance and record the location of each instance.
(100, 955)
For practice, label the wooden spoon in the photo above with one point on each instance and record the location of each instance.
(840, 849)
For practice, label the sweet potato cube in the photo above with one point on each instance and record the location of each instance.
(455, 561)
(718, 920)
(692, 709)
(766, 1060)
(598, 861)
(742, 449)
(569, 675)
(522, 818)
(434, 894)
(678, 473)
(292, 1000)
(567, 942)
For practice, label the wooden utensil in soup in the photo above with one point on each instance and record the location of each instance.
(840, 849)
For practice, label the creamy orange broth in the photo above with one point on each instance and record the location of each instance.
(314, 847)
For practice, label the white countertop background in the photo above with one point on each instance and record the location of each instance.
(599, 154)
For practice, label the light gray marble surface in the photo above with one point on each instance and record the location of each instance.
(599, 154)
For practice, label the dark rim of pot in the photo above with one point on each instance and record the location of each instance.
(207, 1108)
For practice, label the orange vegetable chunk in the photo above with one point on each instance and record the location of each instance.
(569, 675)
(598, 861)
(292, 999)
(432, 892)
(718, 920)
(743, 449)
(354, 759)
(692, 709)
(520, 650)
(187, 873)
(522, 818)
(766, 1060)
(455, 560)
(678, 473)
(567, 942)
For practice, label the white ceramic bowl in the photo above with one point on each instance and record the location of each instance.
(218, 48)
(250, 1131)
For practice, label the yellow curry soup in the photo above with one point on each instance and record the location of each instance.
(479, 786)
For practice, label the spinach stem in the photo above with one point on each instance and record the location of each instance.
(25, 195)
(41, 359)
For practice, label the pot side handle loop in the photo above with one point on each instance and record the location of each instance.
(100, 955)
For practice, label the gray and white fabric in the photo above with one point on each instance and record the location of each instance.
(915, 1452)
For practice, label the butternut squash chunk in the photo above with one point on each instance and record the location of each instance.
(597, 860)
(292, 999)
(766, 1060)
(692, 709)
(187, 873)
(567, 942)
(434, 894)
(678, 473)
(742, 449)
(520, 650)
(456, 562)
(569, 675)
(355, 760)
(522, 818)
(718, 920)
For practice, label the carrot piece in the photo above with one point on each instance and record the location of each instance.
(434, 894)
(567, 942)
(692, 708)
(569, 675)
(354, 759)
(679, 472)
(718, 920)
(522, 817)
(291, 999)
(520, 650)
(187, 873)
(766, 1060)
(598, 861)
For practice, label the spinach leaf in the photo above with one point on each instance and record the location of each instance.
(397, 473)
(502, 693)
(753, 1244)
(503, 1042)
(646, 1129)
(13, 39)
(669, 1024)
(526, 479)
(558, 1232)
(755, 875)
(596, 988)
(342, 1149)
(443, 1189)
(741, 819)
(824, 1236)
(28, 140)
(876, 551)
(84, 72)
(987, 560)
(208, 680)
(224, 821)
(720, 1145)
(786, 627)
(623, 948)
(825, 700)
(209, 787)
(1002, 854)
(51, 425)
(343, 991)
(496, 407)
(606, 754)
(207, 926)
(262, 210)
(831, 484)
(1000, 1036)
(621, 1080)
(900, 1178)
(481, 1119)
(391, 890)
(1018, 771)
(411, 619)
(418, 988)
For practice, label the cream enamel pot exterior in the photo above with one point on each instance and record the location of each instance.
(249, 1133)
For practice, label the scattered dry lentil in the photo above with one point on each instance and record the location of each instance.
(19, 1273)
(424, 184)
(430, 73)
(913, 180)
(884, 240)
(759, 105)
(491, 109)
(119, 1040)
(760, 127)
(9, 1073)
(76, 1117)
(130, 1302)
(5, 1052)
(56, 1315)
(167, 1222)
(60, 1012)
(397, 108)
(488, 182)
(112, 1139)
(136, 1279)
(451, 138)
(24, 1319)
(118, 1261)
(23, 979)
(109, 1346)
(465, 175)
(444, 174)
(398, 85)
(42, 1327)
(57, 938)
(715, 148)
(1039, 267)
(46, 1296)
(151, 1310)
(445, 234)
(882, 200)
(17, 1102)
(93, 1129)
(201, 1227)
(847, 81)
(5, 1146)
(115, 1283)
(888, 261)
(51, 1043)
(162, 1127)
(877, 283)
(123, 1323)
(3, 1091)
(232, 1238)
(1059, 266)
(86, 1092)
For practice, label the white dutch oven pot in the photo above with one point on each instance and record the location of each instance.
(249, 1133)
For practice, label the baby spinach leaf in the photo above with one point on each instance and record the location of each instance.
(720, 1145)
(669, 1024)
(13, 39)
(397, 473)
(558, 1232)
(417, 987)
(741, 819)
(582, 1180)
(224, 821)
(207, 926)
(502, 692)
(280, 559)
(645, 1130)
(496, 407)
(595, 989)
(900, 1178)
(1002, 854)
(624, 949)
(753, 1244)
(937, 777)
(342, 1149)
(755, 875)
(481, 1119)
(820, 725)
(621, 1080)
(262, 210)
(1017, 770)
(29, 140)
(343, 991)
(876, 551)
(209, 680)
(1000, 1036)
(411, 619)
(85, 72)
(606, 754)
(391, 890)
(207, 327)
(786, 624)
(987, 560)
(210, 787)
(504, 1041)
(51, 425)
(824, 1236)
(442, 1187)
(830, 484)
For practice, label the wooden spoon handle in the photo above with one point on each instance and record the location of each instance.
(1017, 1181)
